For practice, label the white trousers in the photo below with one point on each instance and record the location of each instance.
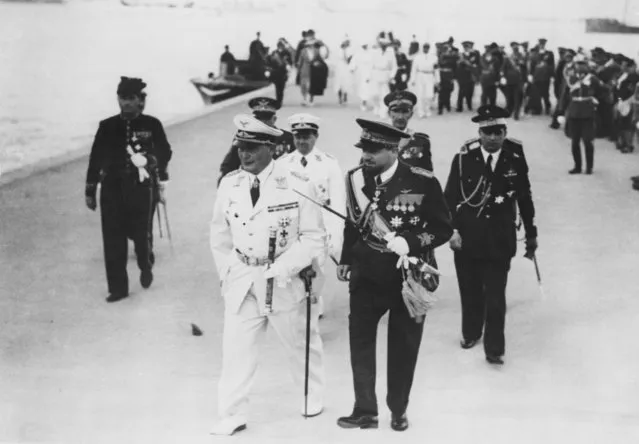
(425, 92)
(240, 350)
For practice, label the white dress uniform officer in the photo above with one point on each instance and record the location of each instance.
(384, 69)
(255, 204)
(325, 174)
(424, 76)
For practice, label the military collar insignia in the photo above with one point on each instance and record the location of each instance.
(280, 182)
(318, 157)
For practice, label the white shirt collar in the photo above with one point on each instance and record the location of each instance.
(263, 175)
(495, 155)
(386, 175)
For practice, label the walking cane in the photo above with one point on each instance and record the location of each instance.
(307, 276)
(541, 288)
(168, 226)
(157, 210)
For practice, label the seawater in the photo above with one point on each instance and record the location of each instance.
(60, 64)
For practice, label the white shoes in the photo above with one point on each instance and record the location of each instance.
(229, 426)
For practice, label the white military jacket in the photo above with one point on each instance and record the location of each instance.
(325, 174)
(239, 230)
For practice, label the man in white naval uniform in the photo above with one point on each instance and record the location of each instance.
(424, 76)
(383, 70)
(325, 174)
(362, 65)
(251, 203)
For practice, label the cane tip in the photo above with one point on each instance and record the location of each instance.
(195, 330)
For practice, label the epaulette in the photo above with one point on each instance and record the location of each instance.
(470, 144)
(422, 172)
(233, 173)
(299, 175)
(512, 139)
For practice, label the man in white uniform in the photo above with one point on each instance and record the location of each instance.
(253, 205)
(424, 76)
(325, 174)
(383, 70)
(362, 65)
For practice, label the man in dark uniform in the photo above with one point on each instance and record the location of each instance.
(257, 58)
(560, 81)
(278, 62)
(625, 115)
(513, 73)
(608, 69)
(485, 185)
(542, 70)
(416, 150)
(407, 203)
(490, 63)
(466, 74)
(447, 66)
(402, 76)
(264, 110)
(579, 105)
(129, 158)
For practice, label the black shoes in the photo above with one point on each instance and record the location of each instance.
(588, 170)
(575, 171)
(358, 422)
(399, 423)
(115, 297)
(468, 344)
(146, 278)
(494, 359)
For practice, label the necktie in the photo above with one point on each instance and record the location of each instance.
(489, 165)
(303, 161)
(255, 190)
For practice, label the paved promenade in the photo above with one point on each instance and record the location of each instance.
(74, 369)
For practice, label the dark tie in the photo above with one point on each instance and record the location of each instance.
(489, 165)
(255, 190)
(303, 161)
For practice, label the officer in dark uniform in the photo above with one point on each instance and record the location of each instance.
(542, 70)
(579, 105)
(490, 64)
(467, 73)
(402, 76)
(447, 66)
(485, 185)
(513, 74)
(608, 69)
(129, 158)
(409, 202)
(560, 81)
(264, 110)
(416, 150)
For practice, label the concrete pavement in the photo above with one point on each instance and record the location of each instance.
(74, 369)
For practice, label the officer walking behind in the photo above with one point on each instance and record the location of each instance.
(485, 184)
(129, 156)
(466, 75)
(279, 62)
(257, 210)
(579, 105)
(414, 151)
(410, 200)
(264, 110)
(325, 174)
(541, 72)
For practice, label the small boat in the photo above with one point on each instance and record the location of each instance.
(215, 89)
(604, 25)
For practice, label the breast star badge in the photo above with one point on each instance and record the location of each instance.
(396, 222)
(499, 199)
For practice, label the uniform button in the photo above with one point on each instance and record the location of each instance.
(243, 223)
(488, 216)
(250, 234)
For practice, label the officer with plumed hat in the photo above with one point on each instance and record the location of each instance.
(403, 215)
(414, 150)
(265, 110)
(487, 182)
(262, 234)
(325, 173)
(129, 160)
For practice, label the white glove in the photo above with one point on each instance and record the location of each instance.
(405, 261)
(561, 120)
(530, 78)
(143, 174)
(139, 160)
(275, 271)
(502, 81)
(398, 245)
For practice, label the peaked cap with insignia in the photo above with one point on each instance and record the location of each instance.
(251, 130)
(490, 115)
(303, 122)
(265, 105)
(400, 99)
(378, 135)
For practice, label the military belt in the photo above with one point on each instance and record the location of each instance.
(251, 261)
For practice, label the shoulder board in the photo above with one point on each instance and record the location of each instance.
(418, 135)
(299, 175)
(233, 173)
(422, 172)
(470, 144)
(330, 156)
(512, 139)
